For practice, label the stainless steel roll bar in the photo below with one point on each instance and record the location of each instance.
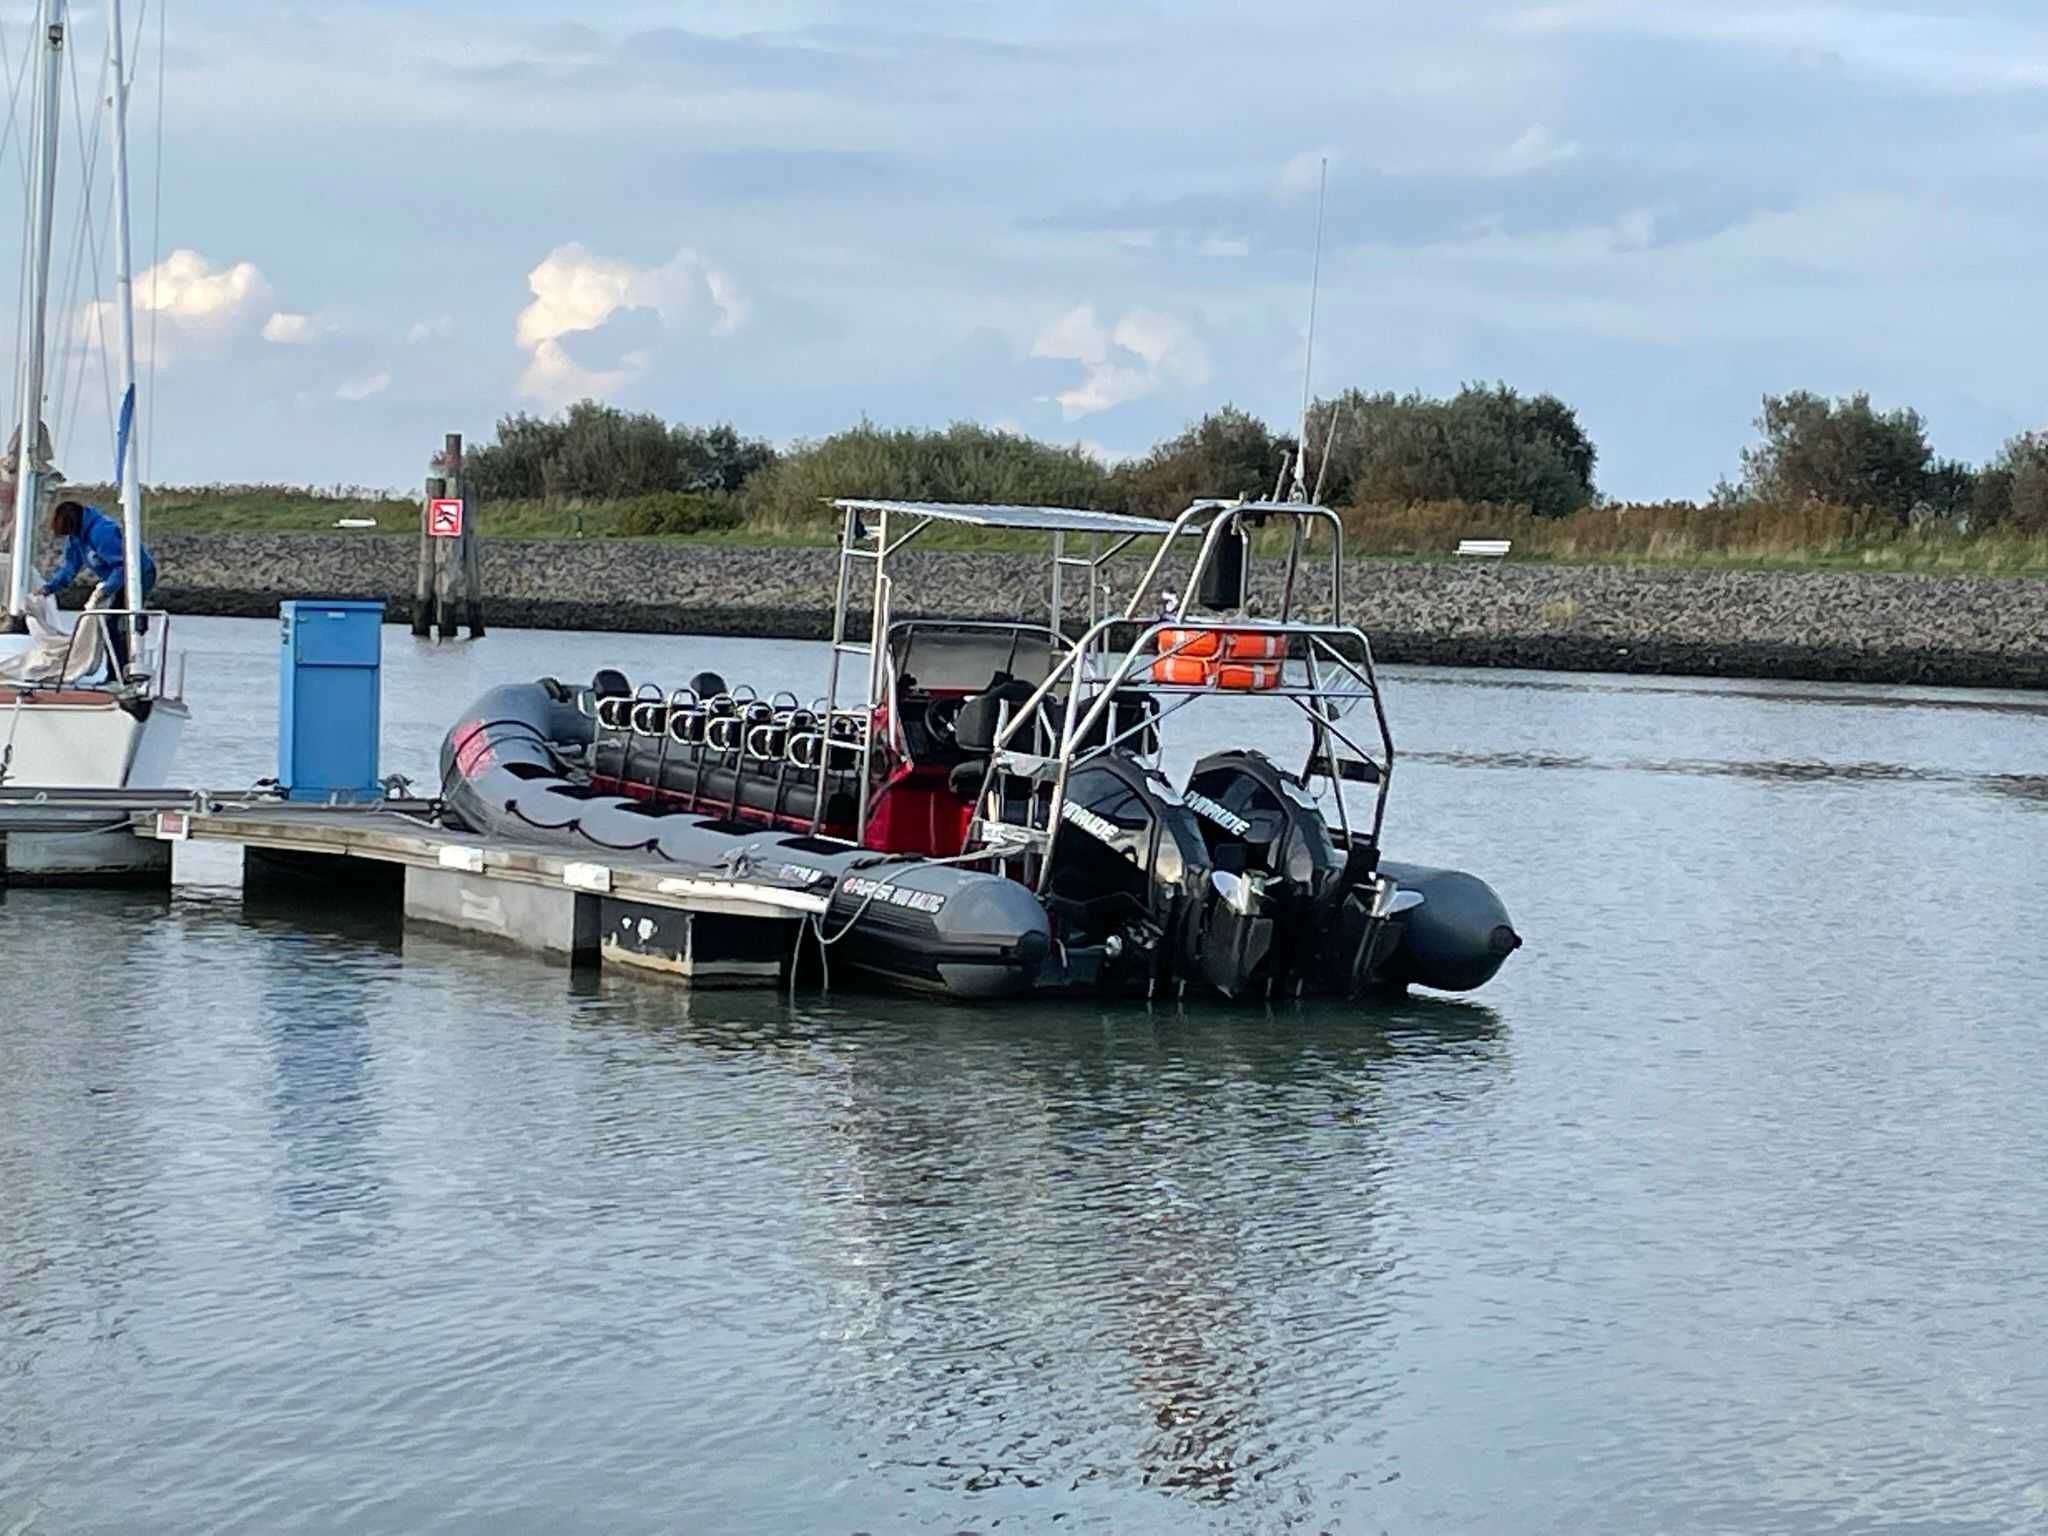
(1326, 665)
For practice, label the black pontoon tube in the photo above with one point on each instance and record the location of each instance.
(507, 771)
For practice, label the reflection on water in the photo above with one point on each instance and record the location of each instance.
(1781, 772)
(1832, 695)
(2020, 786)
(1722, 1209)
(1104, 1252)
(328, 1189)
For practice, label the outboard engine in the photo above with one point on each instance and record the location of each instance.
(1349, 922)
(1263, 828)
(1132, 875)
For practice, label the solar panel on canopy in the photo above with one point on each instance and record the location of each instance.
(1033, 519)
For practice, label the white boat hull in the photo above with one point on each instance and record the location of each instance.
(84, 739)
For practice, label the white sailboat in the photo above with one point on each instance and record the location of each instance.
(70, 719)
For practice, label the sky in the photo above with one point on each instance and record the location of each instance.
(381, 222)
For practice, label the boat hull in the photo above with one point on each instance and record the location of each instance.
(1457, 940)
(87, 738)
(528, 765)
(70, 739)
(916, 924)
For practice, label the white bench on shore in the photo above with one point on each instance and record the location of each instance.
(1484, 549)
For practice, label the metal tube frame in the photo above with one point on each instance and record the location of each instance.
(1214, 520)
(89, 617)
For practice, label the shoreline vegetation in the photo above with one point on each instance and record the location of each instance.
(1828, 484)
(1817, 625)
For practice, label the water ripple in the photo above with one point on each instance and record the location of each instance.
(1722, 1210)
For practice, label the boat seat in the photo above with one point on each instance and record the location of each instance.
(974, 732)
(761, 786)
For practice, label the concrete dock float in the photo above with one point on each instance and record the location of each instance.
(704, 927)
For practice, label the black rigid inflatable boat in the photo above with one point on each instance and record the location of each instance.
(991, 817)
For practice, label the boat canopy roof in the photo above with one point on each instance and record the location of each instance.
(1257, 508)
(1032, 519)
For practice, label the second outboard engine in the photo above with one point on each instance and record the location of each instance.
(1262, 827)
(1348, 923)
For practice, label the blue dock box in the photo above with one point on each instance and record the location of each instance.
(329, 700)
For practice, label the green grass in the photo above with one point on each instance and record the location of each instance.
(1802, 538)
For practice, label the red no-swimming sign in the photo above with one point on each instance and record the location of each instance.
(444, 517)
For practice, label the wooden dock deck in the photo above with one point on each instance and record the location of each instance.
(705, 927)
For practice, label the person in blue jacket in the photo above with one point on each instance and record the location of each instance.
(93, 543)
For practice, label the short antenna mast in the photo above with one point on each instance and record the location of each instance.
(1309, 361)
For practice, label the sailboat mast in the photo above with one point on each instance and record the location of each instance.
(1308, 367)
(28, 480)
(126, 436)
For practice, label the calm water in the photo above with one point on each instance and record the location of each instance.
(1726, 1209)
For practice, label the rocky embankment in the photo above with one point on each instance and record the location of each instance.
(1987, 631)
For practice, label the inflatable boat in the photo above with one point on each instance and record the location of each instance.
(987, 807)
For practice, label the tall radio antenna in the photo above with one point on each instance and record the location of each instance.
(1300, 492)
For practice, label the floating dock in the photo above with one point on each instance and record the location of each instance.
(705, 927)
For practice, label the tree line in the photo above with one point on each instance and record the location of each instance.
(1486, 446)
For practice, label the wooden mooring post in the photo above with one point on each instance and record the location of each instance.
(451, 560)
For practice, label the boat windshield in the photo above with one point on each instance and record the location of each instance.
(965, 658)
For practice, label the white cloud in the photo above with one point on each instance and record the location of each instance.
(556, 376)
(288, 329)
(364, 386)
(1956, 52)
(1121, 363)
(1536, 148)
(1302, 175)
(1636, 230)
(575, 292)
(421, 331)
(185, 287)
(1076, 335)
(195, 306)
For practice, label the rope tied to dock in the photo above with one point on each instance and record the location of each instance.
(814, 924)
